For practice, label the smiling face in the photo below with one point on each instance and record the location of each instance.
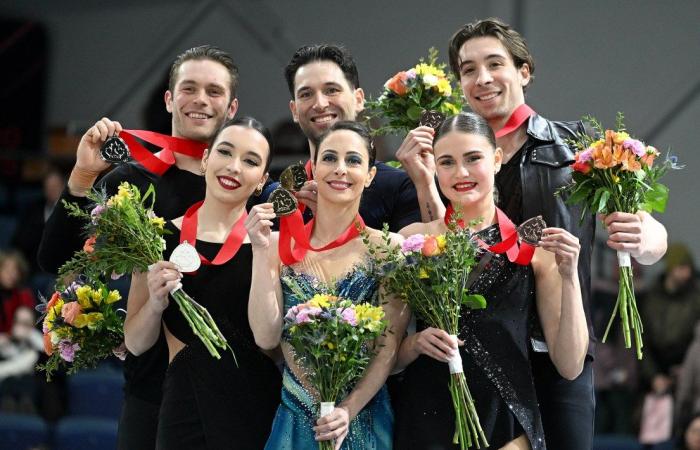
(322, 97)
(342, 167)
(491, 83)
(201, 99)
(235, 165)
(466, 164)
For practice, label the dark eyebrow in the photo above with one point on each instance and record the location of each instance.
(254, 153)
(491, 56)
(226, 143)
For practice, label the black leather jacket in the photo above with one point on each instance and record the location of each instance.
(544, 168)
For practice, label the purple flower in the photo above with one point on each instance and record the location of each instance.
(44, 327)
(411, 74)
(413, 243)
(68, 350)
(95, 213)
(291, 314)
(635, 146)
(586, 155)
(349, 316)
(305, 315)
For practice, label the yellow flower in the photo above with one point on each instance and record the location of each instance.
(620, 137)
(88, 320)
(123, 194)
(423, 69)
(113, 296)
(83, 294)
(615, 179)
(97, 296)
(322, 300)
(442, 242)
(158, 221)
(443, 87)
(423, 274)
(369, 316)
(330, 345)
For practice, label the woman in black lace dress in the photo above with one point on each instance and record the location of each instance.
(211, 403)
(495, 340)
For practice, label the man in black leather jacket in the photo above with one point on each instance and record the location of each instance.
(494, 68)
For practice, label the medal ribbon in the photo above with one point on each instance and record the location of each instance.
(517, 254)
(233, 241)
(519, 116)
(292, 226)
(160, 163)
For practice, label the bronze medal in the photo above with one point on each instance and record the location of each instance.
(293, 177)
(530, 231)
(432, 119)
(283, 202)
(115, 151)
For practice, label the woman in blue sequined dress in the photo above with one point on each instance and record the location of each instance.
(495, 339)
(363, 419)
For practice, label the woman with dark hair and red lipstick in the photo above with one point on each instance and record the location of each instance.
(211, 403)
(495, 351)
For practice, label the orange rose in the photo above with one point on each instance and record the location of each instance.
(603, 158)
(53, 300)
(397, 84)
(70, 311)
(629, 161)
(48, 347)
(648, 159)
(89, 245)
(431, 247)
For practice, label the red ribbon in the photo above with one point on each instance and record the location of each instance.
(519, 116)
(233, 241)
(521, 254)
(309, 173)
(160, 163)
(292, 226)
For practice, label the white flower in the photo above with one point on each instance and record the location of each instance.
(430, 80)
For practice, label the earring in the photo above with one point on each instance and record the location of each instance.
(202, 169)
(258, 190)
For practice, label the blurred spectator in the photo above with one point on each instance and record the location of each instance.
(27, 235)
(657, 413)
(13, 293)
(690, 439)
(669, 311)
(688, 390)
(19, 352)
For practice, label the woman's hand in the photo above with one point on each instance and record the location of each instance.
(435, 343)
(163, 277)
(333, 426)
(565, 247)
(259, 224)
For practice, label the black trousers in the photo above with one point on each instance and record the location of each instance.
(567, 406)
(138, 424)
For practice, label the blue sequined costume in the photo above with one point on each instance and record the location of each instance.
(292, 429)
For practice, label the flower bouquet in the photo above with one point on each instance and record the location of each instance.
(125, 235)
(616, 173)
(430, 273)
(330, 338)
(424, 90)
(80, 326)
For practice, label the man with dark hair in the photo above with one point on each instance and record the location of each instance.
(325, 88)
(201, 96)
(494, 67)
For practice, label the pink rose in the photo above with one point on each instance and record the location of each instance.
(430, 246)
(70, 311)
(349, 316)
(306, 315)
(413, 243)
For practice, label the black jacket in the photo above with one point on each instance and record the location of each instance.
(544, 168)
